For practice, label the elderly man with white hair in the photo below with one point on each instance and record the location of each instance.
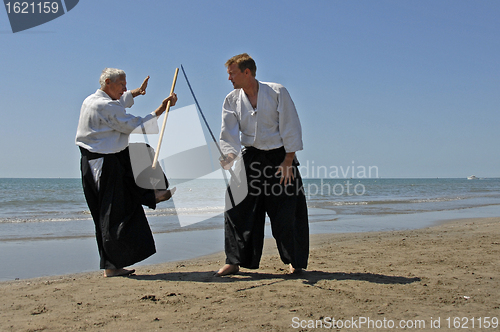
(114, 199)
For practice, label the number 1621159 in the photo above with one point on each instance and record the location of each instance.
(45, 7)
(473, 322)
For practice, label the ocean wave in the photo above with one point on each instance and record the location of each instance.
(26, 201)
(185, 210)
(23, 220)
(388, 201)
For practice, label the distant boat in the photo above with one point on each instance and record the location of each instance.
(472, 177)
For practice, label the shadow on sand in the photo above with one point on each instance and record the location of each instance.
(308, 277)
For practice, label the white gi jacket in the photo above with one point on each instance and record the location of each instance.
(273, 124)
(105, 126)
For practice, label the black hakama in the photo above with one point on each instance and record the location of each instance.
(122, 230)
(285, 205)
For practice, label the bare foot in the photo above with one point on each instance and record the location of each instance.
(227, 270)
(164, 195)
(117, 272)
(294, 270)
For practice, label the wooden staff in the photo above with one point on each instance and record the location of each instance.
(155, 160)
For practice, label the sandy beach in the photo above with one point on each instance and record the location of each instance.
(446, 276)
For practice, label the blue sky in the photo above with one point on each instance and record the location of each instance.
(411, 87)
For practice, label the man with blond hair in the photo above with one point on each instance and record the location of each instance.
(262, 118)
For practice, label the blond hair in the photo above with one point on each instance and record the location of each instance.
(244, 61)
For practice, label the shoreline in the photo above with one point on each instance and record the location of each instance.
(315, 240)
(419, 275)
(30, 259)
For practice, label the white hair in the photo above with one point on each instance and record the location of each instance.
(112, 73)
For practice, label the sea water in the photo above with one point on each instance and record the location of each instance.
(44, 221)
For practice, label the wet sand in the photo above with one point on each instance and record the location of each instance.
(421, 278)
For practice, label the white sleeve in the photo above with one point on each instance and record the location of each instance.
(118, 119)
(230, 131)
(127, 100)
(289, 123)
(149, 126)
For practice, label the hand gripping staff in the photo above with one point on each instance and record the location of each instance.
(213, 137)
(155, 160)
